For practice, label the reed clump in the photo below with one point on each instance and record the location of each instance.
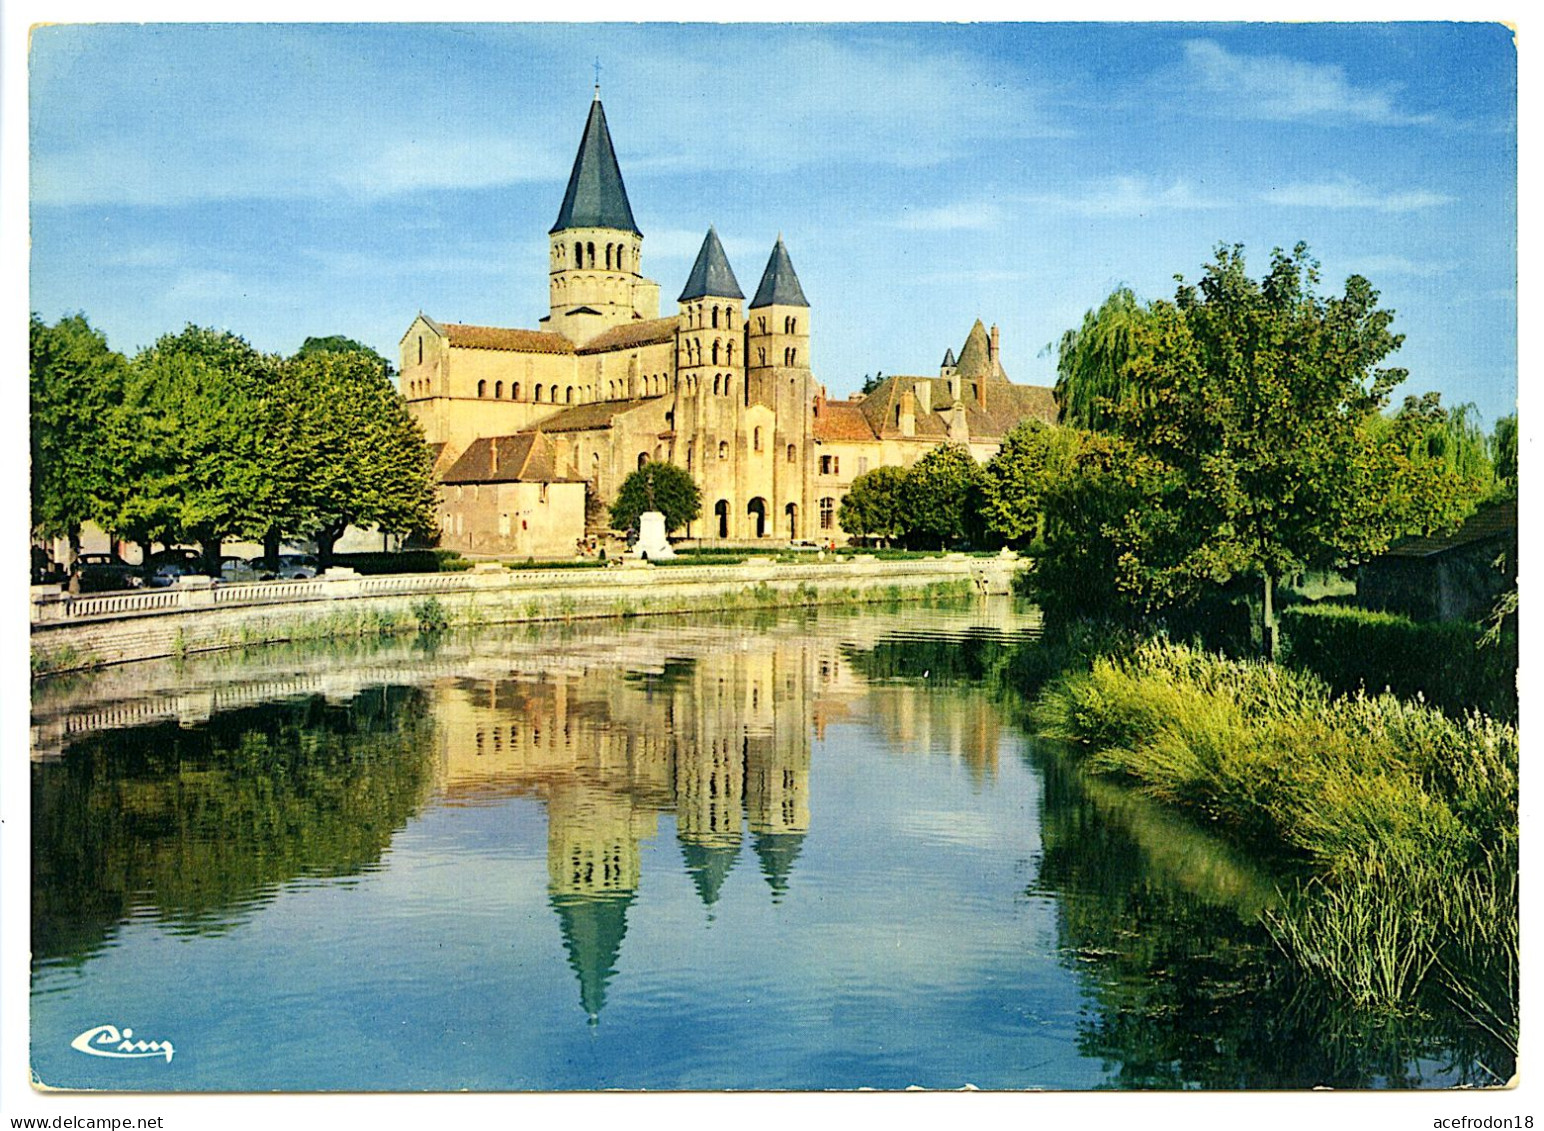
(1403, 819)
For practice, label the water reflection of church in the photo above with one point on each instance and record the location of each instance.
(722, 746)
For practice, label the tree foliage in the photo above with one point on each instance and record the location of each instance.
(1503, 451)
(1251, 440)
(75, 382)
(1092, 362)
(941, 498)
(657, 486)
(363, 455)
(202, 438)
(1033, 458)
(875, 505)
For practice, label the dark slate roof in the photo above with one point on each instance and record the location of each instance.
(1495, 520)
(711, 274)
(629, 335)
(779, 284)
(708, 861)
(596, 197)
(948, 358)
(503, 338)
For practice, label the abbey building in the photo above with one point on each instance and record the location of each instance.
(534, 430)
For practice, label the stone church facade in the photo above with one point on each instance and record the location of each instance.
(528, 426)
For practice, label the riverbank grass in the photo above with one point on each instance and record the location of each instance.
(1403, 819)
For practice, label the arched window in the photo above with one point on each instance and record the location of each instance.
(827, 513)
(608, 257)
(791, 455)
(420, 349)
(723, 449)
(570, 395)
(498, 390)
(761, 355)
(514, 391)
(590, 253)
(538, 394)
(756, 439)
(643, 458)
(715, 318)
(715, 384)
(761, 324)
(482, 388)
(729, 353)
(721, 512)
(715, 351)
(578, 254)
(729, 317)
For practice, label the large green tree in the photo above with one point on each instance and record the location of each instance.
(874, 505)
(75, 382)
(1033, 458)
(941, 498)
(361, 456)
(657, 486)
(192, 443)
(1259, 398)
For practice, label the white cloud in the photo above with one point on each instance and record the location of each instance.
(1346, 192)
(1128, 196)
(1276, 88)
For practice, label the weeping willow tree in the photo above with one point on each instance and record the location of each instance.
(1449, 438)
(1503, 451)
(1092, 372)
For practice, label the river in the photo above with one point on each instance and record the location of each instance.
(798, 850)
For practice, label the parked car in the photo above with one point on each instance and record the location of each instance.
(233, 568)
(167, 573)
(95, 573)
(295, 566)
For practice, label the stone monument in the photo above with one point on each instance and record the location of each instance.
(651, 545)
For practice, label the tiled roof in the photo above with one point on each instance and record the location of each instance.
(779, 285)
(975, 355)
(1006, 405)
(842, 420)
(596, 197)
(526, 457)
(500, 338)
(711, 274)
(585, 417)
(1497, 520)
(630, 335)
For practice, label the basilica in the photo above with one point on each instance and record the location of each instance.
(533, 431)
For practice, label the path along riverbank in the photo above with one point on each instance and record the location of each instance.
(71, 633)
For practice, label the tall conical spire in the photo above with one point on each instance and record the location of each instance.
(975, 356)
(711, 274)
(596, 197)
(779, 284)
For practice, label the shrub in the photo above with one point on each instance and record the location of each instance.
(1442, 661)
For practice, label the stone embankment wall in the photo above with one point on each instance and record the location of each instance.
(73, 632)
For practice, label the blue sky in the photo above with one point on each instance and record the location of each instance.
(290, 180)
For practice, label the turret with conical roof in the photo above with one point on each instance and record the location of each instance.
(779, 283)
(595, 254)
(777, 357)
(711, 276)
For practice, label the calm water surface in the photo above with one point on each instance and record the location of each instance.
(805, 850)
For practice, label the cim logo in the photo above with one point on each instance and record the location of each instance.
(106, 1040)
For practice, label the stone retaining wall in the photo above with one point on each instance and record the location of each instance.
(73, 632)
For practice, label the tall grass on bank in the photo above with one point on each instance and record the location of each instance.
(1405, 817)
